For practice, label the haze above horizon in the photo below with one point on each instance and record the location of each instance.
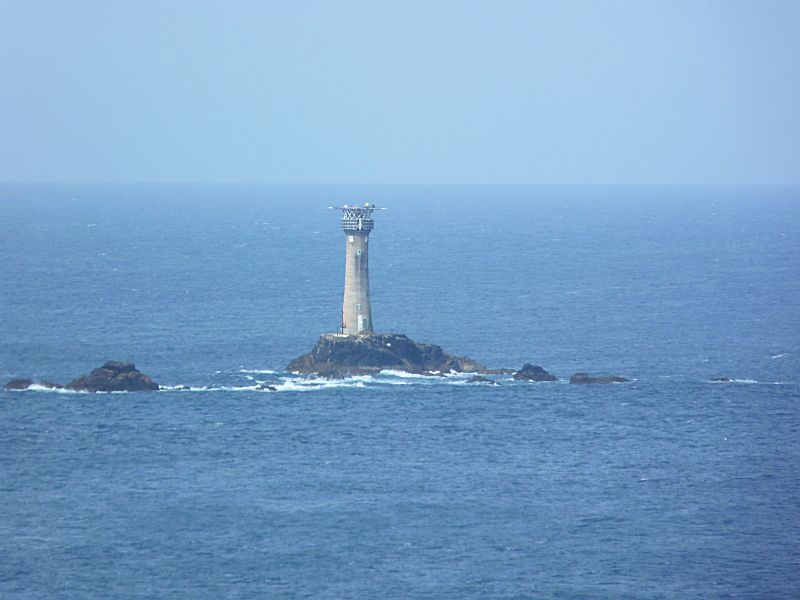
(417, 92)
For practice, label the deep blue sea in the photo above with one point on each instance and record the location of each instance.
(670, 486)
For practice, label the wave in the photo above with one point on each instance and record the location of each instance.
(403, 374)
(276, 381)
(751, 381)
(212, 388)
(43, 388)
(432, 376)
(294, 385)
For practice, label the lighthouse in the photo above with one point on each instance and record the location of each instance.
(357, 224)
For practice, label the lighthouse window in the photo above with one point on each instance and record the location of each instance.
(366, 239)
(350, 238)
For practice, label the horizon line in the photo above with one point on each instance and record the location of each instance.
(392, 184)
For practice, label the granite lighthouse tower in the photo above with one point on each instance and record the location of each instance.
(356, 349)
(357, 224)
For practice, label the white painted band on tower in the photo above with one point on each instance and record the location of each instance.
(356, 309)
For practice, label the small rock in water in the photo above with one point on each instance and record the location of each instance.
(114, 376)
(270, 388)
(24, 384)
(530, 372)
(18, 384)
(482, 379)
(722, 379)
(586, 378)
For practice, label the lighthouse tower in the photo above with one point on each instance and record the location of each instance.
(357, 223)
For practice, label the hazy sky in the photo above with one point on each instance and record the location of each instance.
(400, 91)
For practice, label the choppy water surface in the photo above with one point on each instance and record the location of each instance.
(394, 486)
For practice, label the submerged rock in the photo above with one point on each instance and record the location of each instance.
(586, 378)
(500, 371)
(114, 376)
(722, 379)
(530, 372)
(345, 355)
(481, 379)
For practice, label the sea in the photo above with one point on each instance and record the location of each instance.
(398, 486)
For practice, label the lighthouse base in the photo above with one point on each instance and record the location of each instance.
(343, 355)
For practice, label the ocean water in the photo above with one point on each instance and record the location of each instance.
(393, 486)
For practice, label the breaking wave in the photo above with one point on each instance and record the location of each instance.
(748, 381)
(270, 382)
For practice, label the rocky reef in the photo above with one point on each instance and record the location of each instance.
(337, 355)
(530, 372)
(585, 378)
(113, 376)
(481, 379)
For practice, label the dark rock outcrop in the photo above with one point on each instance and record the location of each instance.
(530, 372)
(586, 378)
(24, 384)
(721, 379)
(345, 355)
(18, 384)
(481, 379)
(114, 376)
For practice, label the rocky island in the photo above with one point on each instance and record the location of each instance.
(341, 355)
(337, 355)
(530, 372)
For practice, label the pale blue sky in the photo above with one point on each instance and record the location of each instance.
(403, 92)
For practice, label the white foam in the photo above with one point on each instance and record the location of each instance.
(752, 381)
(433, 376)
(35, 387)
(396, 382)
(257, 371)
(403, 374)
(211, 388)
(300, 385)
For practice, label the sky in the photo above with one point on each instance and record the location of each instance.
(411, 92)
